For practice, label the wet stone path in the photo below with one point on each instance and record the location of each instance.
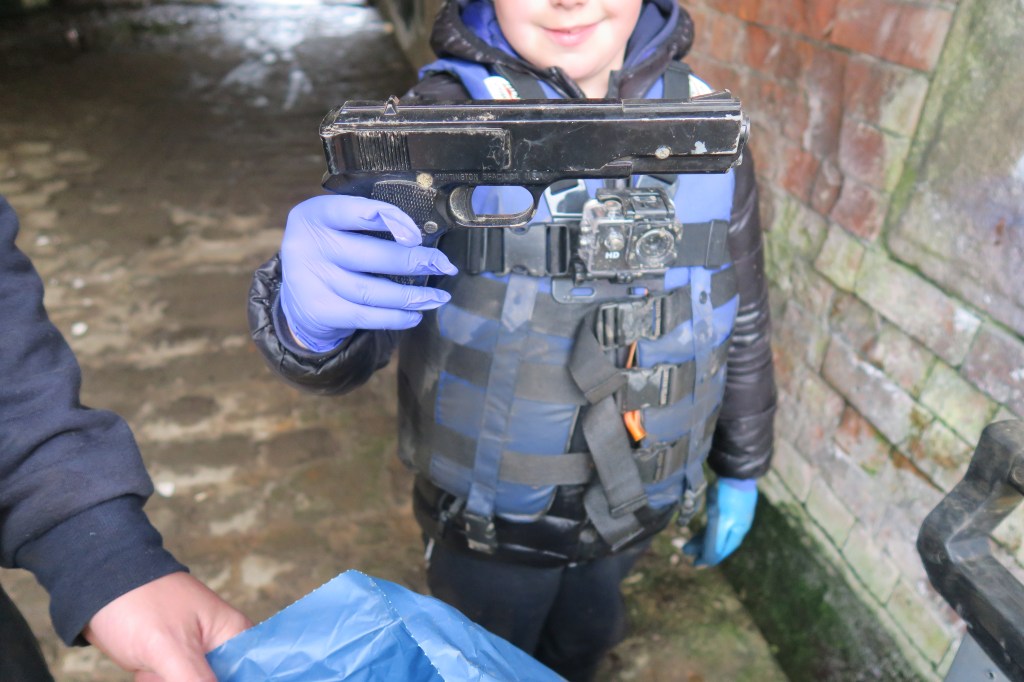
(153, 154)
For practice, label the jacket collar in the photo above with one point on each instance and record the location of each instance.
(467, 29)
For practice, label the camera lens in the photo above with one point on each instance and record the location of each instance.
(614, 240)
(655, 247)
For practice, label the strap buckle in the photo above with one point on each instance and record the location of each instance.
(690, 503)
(620, 324)
(480, 533)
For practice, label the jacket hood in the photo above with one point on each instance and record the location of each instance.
(468, 30)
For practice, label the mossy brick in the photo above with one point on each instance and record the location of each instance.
(903, 359)
(840, 257)
(773, 488)
(856, 488)
(939, 453)
(885, 94)
(862, 442)
(870, 564)
(854, 322)
(793, 470)
(786, 358)
(872, 393)
(917, 307)
(942, 669)
(881, 27)
(828, 511)
(897, 537)
(960, 219)
(918, 617)
(995, 364)
(959, 404)
(819, 410)
(796, 234)
(811, 290)
(803, 334)
(906, 489)
(871, 155)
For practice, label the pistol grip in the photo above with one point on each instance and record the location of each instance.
(418, 203)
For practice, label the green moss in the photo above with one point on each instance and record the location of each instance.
(817, 627)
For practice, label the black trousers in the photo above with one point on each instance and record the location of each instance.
(566, 617)
(21, 660)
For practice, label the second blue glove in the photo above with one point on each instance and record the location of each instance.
(328, 287)
(731, 505)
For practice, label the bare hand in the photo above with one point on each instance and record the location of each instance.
(162, 630)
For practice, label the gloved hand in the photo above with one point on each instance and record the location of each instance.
(326, 293)
(731, 504)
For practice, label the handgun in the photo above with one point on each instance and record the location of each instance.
(427, 159)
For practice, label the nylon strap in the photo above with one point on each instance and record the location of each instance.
(619, 491)
(677, 81)
(543, 250)
(520, 294)
(526, 85)
(571, 468)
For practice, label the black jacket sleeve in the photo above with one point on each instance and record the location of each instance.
(337, 371)
(72, 482)
(743, 440)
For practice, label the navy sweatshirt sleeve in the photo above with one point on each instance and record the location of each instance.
(72, 482)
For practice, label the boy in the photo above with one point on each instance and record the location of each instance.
(521, 457)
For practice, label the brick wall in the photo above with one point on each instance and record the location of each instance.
(887, 138)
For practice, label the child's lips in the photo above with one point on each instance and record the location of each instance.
(571, 36)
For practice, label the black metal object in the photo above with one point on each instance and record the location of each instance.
(954, 545)
(428, 158)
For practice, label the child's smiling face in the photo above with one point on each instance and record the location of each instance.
(585, 38)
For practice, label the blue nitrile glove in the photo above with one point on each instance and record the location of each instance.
(731, 504)
(325, 291)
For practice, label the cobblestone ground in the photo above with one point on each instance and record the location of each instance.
(153, 154)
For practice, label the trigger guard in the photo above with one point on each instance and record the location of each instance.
(460, 207)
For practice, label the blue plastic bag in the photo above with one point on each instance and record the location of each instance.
(361, 628)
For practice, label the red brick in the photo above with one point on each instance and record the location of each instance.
(778, 105)
(765, 144)
(775, 54)
(726, 35)
(720, 76)
(860, 209)
(800, 168)
(723, 6)
(825, 190)
(747, 10)
(867, 154)
(861, 149)
(884, 94)
(897, 32)
(859, 439)
(812, 18)
(823, 84)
